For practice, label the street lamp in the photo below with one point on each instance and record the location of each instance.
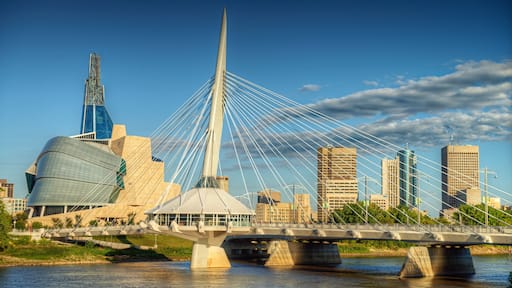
(366, 201)
(295, 207)
(486, 200)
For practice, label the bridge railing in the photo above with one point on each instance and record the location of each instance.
(395, 227)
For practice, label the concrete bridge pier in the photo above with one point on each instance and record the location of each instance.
(288, 253)
(437, 261)
(208, 253)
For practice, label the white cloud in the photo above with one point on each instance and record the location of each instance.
(310, 88)
(473, 86)
(472, 103)
(371, 83)
(494, 125)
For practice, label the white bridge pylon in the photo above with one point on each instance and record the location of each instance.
(206, 213)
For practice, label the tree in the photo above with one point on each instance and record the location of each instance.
(475, 215)
(78, 220)
(5, 227)
(356, 213)
(69, 222)
(21, 221)
(57, 223)
(37, 225)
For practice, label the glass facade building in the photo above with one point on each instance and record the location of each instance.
(408, 177)
(74, 175)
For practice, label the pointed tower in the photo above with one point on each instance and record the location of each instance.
(95, 117)
(211, 156)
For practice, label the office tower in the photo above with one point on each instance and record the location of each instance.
(337, 179)
(6, 189)
(95, 117)
(301, 208)
(391, 181)
(459, 173)
(408, 177)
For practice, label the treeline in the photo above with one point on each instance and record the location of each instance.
(356, 213)
(475, 215)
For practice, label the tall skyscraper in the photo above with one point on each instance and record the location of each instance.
(391, 181)
(408, 177)
(95, 117)
(337, 179)
(460, 173)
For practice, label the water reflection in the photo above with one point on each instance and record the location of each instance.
(354, 272)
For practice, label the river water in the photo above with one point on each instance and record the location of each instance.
(491, 271)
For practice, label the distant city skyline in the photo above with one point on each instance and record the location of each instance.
(427, 74)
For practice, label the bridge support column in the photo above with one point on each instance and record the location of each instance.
(284, 253)
(279, 254)
(437, 261)
(208, 253)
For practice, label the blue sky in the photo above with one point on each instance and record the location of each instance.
(329, 54)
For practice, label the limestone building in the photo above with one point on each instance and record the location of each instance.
(270, 209)
(336, 179)
(15, 205)
(460, 173)
(391, 181)
(6, 189)
(379, 200)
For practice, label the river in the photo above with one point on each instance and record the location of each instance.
(491, 271)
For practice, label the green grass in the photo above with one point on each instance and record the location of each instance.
(169, 246)
(50, 251)
(25, 251)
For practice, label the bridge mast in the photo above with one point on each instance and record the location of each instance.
(211, 157)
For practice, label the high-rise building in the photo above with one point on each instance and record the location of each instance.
(408, 177)
(301, 208)
(95, 117)
(459, 173)
(391, 181)
(14, 206)
(6, 189)
(270, 209)
(337, 179)
(379, 200)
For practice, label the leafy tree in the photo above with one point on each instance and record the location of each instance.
(57, 223)
(131, 218)
(475, 215)
(69, 222)
(356, 213)
(5, 227)
(93, 223)
(21, 221)
(78, 220)
(37, 225)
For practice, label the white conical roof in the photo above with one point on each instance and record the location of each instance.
(202, 201)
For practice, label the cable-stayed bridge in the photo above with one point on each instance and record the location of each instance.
(266, 142)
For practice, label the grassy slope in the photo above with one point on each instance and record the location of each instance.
(25, 252)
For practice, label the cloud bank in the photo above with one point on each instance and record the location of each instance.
(470, 104)
(310, 88)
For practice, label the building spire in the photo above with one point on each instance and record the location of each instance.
(95, 117)
(214, 132)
